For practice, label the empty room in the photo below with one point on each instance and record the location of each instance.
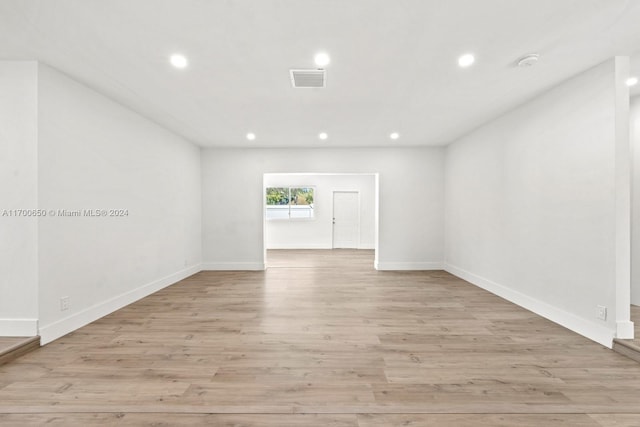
(358, 213)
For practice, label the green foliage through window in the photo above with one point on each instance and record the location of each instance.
(289, 202)
(277, 196)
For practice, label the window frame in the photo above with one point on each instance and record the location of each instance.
(289, 218)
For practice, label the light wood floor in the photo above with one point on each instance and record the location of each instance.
(13, 347)
(322, 339)
(630, 347)
(635, 317)
(7, 343)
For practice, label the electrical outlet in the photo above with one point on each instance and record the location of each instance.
(601, 312)
(64, 303)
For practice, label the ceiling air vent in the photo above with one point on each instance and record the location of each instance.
(308, 78)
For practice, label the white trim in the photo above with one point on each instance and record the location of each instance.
(233, 266)
(598, 333)
(298, 246)
(75, 321)
(625, 330)
(435, 265)
(18, 327)
(622, 175)
(367, 246)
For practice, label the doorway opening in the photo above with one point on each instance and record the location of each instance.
(331, 212)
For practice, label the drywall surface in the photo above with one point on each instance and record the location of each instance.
(317, 233)
(635, 201)
(408, 238)
(530, 204)
(18, 197)
(99, 158)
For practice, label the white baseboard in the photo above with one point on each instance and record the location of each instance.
(233, 266)
(625, 330)
(435, 265)
(313, 246)
(598, 333)
(77, 320)
(18, 327)
(297, 246)
(366, 246)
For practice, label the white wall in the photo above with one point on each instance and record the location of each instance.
(531, 204)
(635, 207)
(18, 190)
(408, 238)
(317, 233)
(95, 154)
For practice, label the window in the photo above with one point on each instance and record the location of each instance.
(289, 202)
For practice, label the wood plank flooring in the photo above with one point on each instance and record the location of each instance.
(630, 347)
(14, 347)
(322, 339)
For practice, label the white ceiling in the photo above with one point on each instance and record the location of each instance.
(393, 61)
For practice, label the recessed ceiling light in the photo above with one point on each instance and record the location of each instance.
(322, 59)
(632, 81)
(323, 135)
(251, 136)
(394, 135)
(178, 61)
(466, 60)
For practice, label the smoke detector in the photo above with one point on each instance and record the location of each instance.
(308, 78)
(528, 60)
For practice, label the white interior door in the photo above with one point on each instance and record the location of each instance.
(346, 219)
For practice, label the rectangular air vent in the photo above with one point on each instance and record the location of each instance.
(308, 78)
